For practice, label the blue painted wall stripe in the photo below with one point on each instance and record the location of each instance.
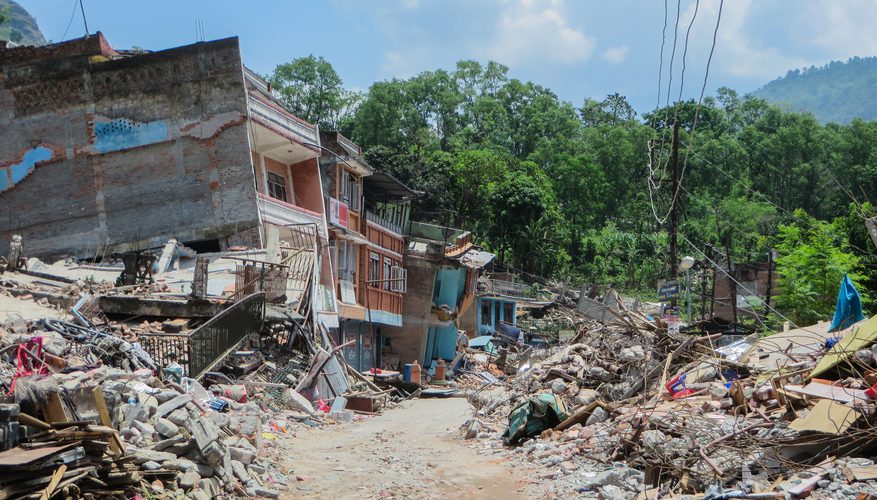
(119, 134)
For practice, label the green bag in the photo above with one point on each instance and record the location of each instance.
(533, 416)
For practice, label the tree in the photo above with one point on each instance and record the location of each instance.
(812, 258)
(311, 89)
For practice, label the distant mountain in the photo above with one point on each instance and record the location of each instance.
(836, 92)
(21, 27)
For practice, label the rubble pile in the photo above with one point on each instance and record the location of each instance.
(644, 412)
(98, 407)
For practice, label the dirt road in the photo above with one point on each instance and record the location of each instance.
(411, 451)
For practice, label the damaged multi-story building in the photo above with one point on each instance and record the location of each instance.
(108, 151)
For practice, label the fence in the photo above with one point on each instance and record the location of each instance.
(203, 348)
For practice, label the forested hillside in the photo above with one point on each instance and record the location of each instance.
(837, 92)
(18, 26)
(561, 190)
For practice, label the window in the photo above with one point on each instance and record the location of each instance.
(508, 312)
(388, 266)
(485, 311)
(374, 269)
(398, 279)
(350, 191)
(277, 186)
(346, 261)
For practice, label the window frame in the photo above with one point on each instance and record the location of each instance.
(374, 269)
(278, 181)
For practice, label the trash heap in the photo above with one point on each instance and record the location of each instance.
(628, 409)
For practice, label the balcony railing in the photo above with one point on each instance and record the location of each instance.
(287, 122)
(384, 222)
(281, 213)
(507, 288)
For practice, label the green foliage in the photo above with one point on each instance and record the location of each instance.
(311, 88)
(837, 92)
(562, 192)
(812, 258)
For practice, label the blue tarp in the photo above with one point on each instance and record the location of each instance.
(848, 309)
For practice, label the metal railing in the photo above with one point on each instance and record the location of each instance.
(507, 288)
(203, 348)
(384, 222)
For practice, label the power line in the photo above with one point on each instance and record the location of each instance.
(676, 191)
(70, 22)
(84, 21)
(768, 200)
(685, 51)
(661, 64)
(741, 285)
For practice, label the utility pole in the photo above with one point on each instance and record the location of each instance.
(674, 200)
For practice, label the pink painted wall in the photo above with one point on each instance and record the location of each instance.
(306, 183)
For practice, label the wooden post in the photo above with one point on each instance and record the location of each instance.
(674, 202)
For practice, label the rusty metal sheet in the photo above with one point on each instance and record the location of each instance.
(19, 456)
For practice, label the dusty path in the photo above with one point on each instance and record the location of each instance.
(411, 451)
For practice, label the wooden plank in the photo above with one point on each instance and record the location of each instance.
(839, 394)
(862, 473)
(54, 411)
(56, 478)
(829, 417)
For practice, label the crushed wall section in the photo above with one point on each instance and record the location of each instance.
(128, 152)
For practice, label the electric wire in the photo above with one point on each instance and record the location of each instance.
(70, 22)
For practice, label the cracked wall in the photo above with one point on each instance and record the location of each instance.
(128, 151)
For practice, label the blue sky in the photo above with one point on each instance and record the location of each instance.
(578, 48)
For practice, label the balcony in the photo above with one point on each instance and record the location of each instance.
(282, 121)
(488, 286)
(281, 213)
(384, 222)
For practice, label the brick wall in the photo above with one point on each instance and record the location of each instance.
(408, 342)
(131, 151)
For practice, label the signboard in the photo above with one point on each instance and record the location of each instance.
(337, 212)
(348, 295)
(669, 290)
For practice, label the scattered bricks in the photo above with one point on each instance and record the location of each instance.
(242, 455)
(182, 448)
(171, 405)
(130, 413)
(204, 470)
(213, 453)
(179, 464)
(143, 427)
(166, 428)
(298, 402)
(143, 455)
(219, 419)
(210, 486)
(151, 465)
(167, 443)
(240, 472)
(200, 495)
(166, 395)
(248, 426)
(189, 479)
(179, 417)
(205, 432)
(261, 491)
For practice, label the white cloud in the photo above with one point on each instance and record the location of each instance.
(735, 52)
(534, 30)
(843, 29)
(616, 54)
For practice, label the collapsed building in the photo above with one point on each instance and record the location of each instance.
(188, 145)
